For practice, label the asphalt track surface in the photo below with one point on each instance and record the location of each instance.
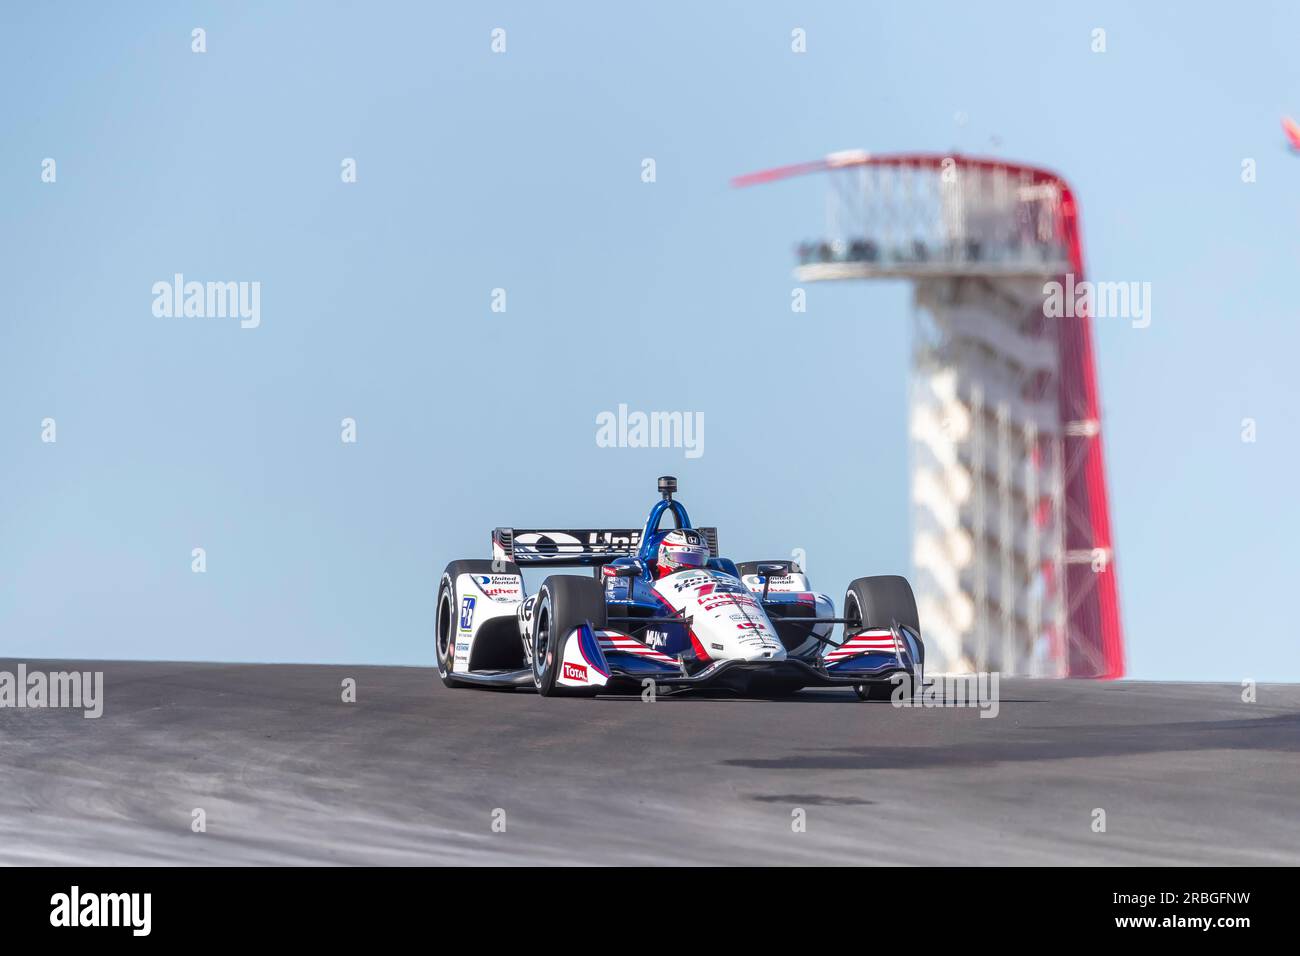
(411, 773)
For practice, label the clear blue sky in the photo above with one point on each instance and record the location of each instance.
(522, 171)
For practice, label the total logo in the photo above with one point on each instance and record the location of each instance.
(574, 672)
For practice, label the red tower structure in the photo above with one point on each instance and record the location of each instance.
(1014, 516)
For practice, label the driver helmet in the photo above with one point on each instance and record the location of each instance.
(682, 548)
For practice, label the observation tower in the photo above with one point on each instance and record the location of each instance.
(1013, 563)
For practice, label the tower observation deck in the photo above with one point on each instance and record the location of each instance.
(1012, 554)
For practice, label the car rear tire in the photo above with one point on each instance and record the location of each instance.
(564, 601)
(448, 611)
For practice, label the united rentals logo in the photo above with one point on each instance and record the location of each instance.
(552, 544)
(499, 586)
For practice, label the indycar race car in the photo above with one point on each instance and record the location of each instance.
(661, 606)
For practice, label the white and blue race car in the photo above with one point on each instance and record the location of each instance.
(753, 628)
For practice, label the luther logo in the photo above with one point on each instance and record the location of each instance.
(131, 910)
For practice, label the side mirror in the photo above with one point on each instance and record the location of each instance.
(622, 570)
(767, 569)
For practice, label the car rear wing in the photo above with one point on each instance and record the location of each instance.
(573, 548)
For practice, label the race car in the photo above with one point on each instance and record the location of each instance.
(661, 609)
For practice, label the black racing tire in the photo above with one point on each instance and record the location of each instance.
(877, 691)
(448, 610)
(881, 601)
(564, 601)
